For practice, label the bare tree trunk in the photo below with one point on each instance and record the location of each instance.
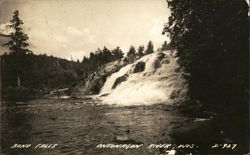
(18, 81)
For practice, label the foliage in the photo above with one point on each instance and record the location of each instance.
(131, 51)
(150, 48)
(131, 55)
(141, 51)
(38, 71)
(117, 53)
(165, 46)
(18, 39)
(25, 74)
(211, 38)
(212, 42)
(99, 58)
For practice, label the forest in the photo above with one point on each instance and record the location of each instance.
(211, 38)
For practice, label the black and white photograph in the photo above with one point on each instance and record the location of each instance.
(124, 77)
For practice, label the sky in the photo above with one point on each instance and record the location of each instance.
(74, 28)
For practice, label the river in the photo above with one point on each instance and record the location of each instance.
(79, 126)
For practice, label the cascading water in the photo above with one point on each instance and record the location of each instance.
(152, 79)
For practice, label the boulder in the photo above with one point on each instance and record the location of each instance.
(139, 67)
(119, 80)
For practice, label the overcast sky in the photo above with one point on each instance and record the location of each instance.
(66, 28)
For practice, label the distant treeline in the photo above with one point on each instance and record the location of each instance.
(105, 55)
(41, 71)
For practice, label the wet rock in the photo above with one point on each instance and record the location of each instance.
(165, 61)
(139, 67)
(119, 80)
(93, 86)
(161, 59)
(104, 95)
(157, 64)
(94, 81)
(161, 56)
(173, 95)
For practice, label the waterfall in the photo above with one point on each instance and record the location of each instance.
(154, 78)
(107, 88)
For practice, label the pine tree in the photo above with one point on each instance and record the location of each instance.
(107, 55)
(140, 50)
(18, 39)
(131, 55)
(165, 46)
(131, 51)
(117, 53)
(150, 48)
(18, 46)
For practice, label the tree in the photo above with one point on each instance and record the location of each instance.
(211, 38)
(117, 53)
(19, 48)
(107, 55)
(141, 50)
(131, 55)
(131, 51)
(18, 39)
(150, 48)
(165, 46)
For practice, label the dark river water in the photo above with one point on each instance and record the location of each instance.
(79, 126)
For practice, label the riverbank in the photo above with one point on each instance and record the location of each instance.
(21, 94)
